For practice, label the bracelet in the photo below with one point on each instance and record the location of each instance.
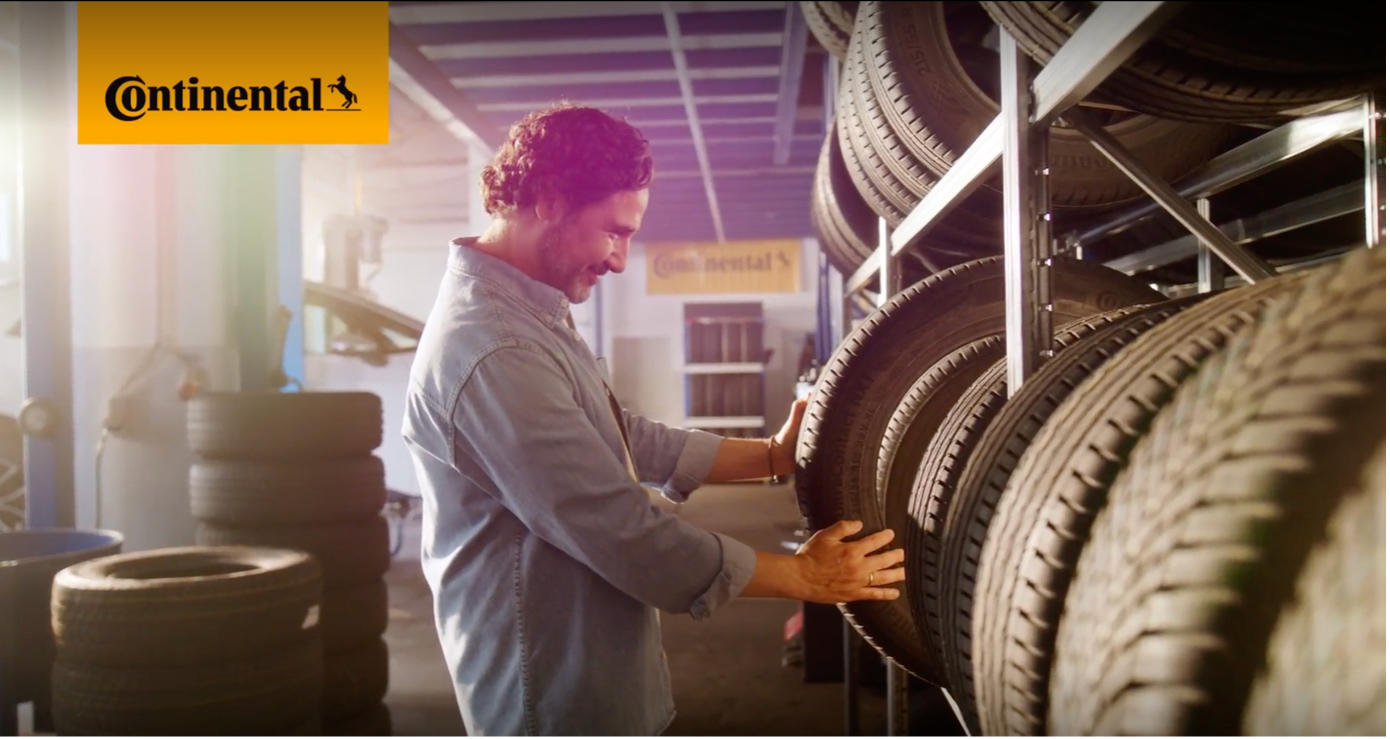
(771, 471)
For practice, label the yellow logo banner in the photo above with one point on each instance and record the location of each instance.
(772, 266)
(233, 73)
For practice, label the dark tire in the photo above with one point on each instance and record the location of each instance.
(1063, 477)
(349, 554)
(842, 246)
(273, 692)
(971, 460)
(1324, 671)
(354, 617)
(1205, 532)
(1234, 62)
(876, 366)
(936, 110)
(269, 494)
(830, 24)
(376, 721)
(184, 606)
(284, 426)
(353, 682)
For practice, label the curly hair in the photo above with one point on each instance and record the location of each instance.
(580, 153)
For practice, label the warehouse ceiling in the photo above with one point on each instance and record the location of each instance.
(730, 95)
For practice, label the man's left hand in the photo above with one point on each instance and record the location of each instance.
(784, 443)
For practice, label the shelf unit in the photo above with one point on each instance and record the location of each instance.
(1017, 138)
(724, 369)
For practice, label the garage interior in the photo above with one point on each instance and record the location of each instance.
(1088, 299)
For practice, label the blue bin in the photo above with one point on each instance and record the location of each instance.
(28, 562)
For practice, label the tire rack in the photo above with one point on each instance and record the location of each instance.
(1029, 103)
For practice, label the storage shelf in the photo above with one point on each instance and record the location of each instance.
(723, 368)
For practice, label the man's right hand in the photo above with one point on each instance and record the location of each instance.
(837, 571)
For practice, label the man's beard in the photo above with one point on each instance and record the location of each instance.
(559, 267)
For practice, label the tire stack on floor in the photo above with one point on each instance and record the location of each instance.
(189, 641)
(297, 471)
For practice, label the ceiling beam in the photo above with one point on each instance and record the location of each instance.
(528, 49)
(499, 11)
(594, 78)
(673, 33)
(420, 80)
(789, 83)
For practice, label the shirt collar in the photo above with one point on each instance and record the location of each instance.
(547, 303)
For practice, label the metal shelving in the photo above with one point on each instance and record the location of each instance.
(1029, 104)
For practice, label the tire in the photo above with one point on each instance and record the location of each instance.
(840, 245)
(890, 179)
(284, 426)
(1044, 515)
(272, 692)
(876, 366)
(1325, 669)
(971, 458)
(830, 24)
(1205, 532)
(353, 682)
(271, 494)
(186, 606)
(349, 554)
(1236, 62)
(354, 617)
(376, 721)
(936, 110)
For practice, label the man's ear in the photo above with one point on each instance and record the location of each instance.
(551, 206)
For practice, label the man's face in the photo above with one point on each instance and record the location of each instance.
(589, 243)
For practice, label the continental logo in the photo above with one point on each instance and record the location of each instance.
(757, 266)
(129, 98)
(234, 73)
(668, 265)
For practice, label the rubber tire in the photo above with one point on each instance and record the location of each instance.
(1325, 667)
(1192, 70)
(841, 245)
(166, 607)
(1203, 537)
(376, 721)
(354, 681)
(936, 111)
(284, 426)
(270, 494)
(830, 24)
(874, 368)
(271, 692)
(1063, 477)
(961, 479)
(353, 617)
(349, 554)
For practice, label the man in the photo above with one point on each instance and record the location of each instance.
(547, 560)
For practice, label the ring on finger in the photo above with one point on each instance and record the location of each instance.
(871, 579)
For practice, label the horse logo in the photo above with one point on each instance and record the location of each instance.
(349, 97)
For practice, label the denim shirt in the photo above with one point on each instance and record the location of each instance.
(547, 561)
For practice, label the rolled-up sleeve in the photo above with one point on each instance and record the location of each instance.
(517, 416)
(678, 460)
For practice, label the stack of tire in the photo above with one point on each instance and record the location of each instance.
(189, 641)
(298, 471)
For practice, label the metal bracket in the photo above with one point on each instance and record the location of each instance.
(1372, 115)
(1210, 276)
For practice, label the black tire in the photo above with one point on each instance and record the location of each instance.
(1063, 477)
(275, 692)
(349, 554)
(284, 426)
(1204, 534)
(840, 246)
(311, 492)
(830, 24)
(936, 110)
(354, 617)
(376, 721)
(1324, 671)
(876, 366)
(353, 682)
(184, 606)
(1235, 62)
(971, 459)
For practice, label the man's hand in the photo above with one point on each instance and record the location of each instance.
(784, 443)
(837, 571)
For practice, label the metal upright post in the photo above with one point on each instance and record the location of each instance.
(889, 274)
(851, 680)
(1211, 276)
(1375, 173)
(1027, 333)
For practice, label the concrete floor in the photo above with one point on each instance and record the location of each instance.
(726, 672)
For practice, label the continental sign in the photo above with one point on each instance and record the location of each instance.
(737, 267)
(233, 73)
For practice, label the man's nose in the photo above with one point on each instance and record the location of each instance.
(617, 261)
